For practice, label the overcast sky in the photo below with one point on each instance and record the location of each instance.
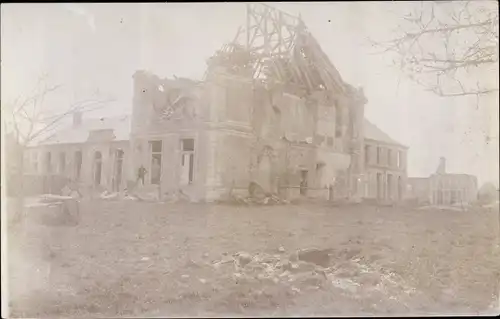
(93, 48)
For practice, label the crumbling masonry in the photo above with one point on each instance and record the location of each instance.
(272, 112)
(271, 115)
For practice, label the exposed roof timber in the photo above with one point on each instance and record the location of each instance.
(270, 33)
(310, 65)
(272, 9)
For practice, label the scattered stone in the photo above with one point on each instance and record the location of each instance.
(294, 257)
(295, 289)
(302, 266)
(316, 256)
(128, 197)
(261, 276)
(346, 284)
(309, 279)
(369, 279)
(145, 258)
(66, 191)
(285, 265)
(109, 196)
(203, 281)
(185, 276)
(281, 249)
(191, 264)
(244, 259)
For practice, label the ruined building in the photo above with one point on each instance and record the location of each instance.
(272, 114)
(443, 188)
(272, 111)
(93, 152)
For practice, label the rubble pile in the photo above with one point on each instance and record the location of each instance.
(109, 195)
(176, 196)
(55, 210)
(455, 208)
(149, 194)
(269, 199)
(312, 269)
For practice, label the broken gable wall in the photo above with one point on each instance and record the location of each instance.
(230, 135)
(282, 123)
(152, 98)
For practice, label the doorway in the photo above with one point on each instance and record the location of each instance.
(400, 188)
(303, 182)
(389, 186)
(97, 168)
(187, 161)
(379, 186)
(118, 169)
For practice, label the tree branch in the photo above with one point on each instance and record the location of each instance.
(437, 42)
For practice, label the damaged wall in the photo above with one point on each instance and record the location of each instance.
(165, 105)
(87, 171)
(245, 132)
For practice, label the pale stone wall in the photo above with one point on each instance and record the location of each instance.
(452, 189)
(385, 167)
(237, 120)
(87, 170)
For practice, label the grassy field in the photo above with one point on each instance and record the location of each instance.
(145, 259)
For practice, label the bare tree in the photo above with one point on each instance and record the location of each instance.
(448, 47)
(28, 120)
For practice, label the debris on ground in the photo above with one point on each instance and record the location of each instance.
(109, 196)
(269, 199)
(311, 269)
(148, 193)
(54, 210)
(176, 196)
(129, 197)
(316, 256)
(456, 208)
(52, 198)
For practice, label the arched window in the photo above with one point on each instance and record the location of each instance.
(97, 168)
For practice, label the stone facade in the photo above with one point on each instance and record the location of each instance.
(443, 188)
(219, 137)
(85, 154)
(242, 132)
(386, 171)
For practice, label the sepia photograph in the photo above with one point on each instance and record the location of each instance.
(232, 159)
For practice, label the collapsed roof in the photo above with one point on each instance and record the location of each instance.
(276, 46)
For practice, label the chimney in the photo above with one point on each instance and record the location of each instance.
(442, 166)
(77, 119)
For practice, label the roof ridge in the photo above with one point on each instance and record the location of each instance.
(372, 131)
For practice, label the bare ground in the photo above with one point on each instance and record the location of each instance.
(144, 259)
